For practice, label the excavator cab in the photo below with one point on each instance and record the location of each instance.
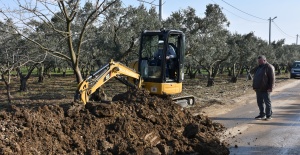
(162, 73)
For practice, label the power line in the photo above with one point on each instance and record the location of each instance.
(243, 11)
(252, 16)
(237, 15)
(241, 17)
(282, 30)
(124, 4)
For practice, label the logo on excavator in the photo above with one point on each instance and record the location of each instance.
(107, 77)
(153, 89)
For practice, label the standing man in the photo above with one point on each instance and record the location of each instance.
(263, 84)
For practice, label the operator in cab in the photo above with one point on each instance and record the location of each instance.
(170, 52)
(169, 56)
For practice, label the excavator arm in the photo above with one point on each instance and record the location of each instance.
(101, 76)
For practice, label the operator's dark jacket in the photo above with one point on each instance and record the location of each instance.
(264, 77)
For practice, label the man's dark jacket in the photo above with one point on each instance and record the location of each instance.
(264, 77)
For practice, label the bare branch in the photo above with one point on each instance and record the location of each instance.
(90, 20)
(45, 19)
(54, 53)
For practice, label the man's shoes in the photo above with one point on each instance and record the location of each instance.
(260, 117)
(268, 118)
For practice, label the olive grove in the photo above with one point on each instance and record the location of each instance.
(84, 35)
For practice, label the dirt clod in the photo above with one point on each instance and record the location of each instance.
(134, 123)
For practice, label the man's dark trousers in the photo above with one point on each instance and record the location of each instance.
(263, 97)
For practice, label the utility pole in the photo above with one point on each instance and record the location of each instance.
(160, 10)
(297, 39)
(270, 19)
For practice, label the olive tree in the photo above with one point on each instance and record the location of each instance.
(15, 53)
(212, 49)
(187, 21)
(243, 49)
(122, 28)
(58, 18)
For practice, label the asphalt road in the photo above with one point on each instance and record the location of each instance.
(279, 136)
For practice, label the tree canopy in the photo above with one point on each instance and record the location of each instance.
(87, 34)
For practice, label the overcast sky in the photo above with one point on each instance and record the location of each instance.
(246, 15)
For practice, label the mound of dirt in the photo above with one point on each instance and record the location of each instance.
(136, 123)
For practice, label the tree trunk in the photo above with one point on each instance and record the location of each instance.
(278, 71)
(210, 82)
(221, 70)
(215, 69)
(23, 79)
(23, 85)
(47, 72)
(78, 74)
(277, 68)
(188, 68)
(286, 70)
(233, 70)
(210, 79)
(229, 71)
(199, 70)
(233, 79)
(41, 78)
(7, 86)
(41, 73)
(249, 76)
(242, 71)
(8, 93)
(236, 73)
(192, 75)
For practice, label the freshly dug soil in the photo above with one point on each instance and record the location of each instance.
(134, 123)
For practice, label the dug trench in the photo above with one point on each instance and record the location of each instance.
(134, 123)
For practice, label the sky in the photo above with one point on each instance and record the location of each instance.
(245, 16)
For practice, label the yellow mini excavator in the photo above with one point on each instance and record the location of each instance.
(161, 74)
